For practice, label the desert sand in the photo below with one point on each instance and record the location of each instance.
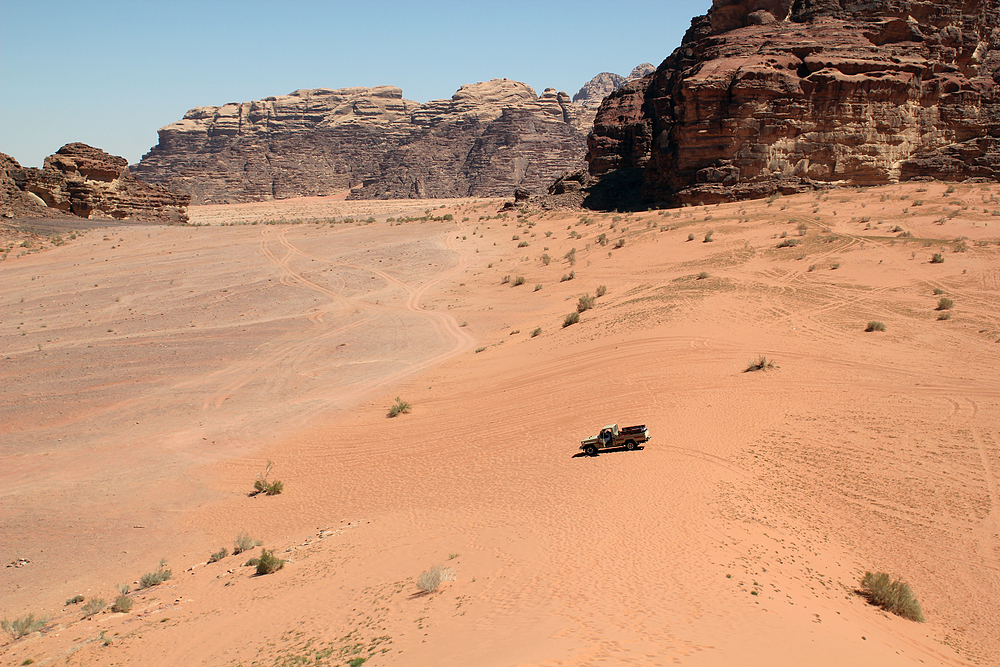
(149, 373)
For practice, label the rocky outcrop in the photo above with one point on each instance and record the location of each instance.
(594, 91)
(487, 140)
(769, 96)
(86, 182)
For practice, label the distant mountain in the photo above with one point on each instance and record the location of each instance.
(489, 139)
(594, 91)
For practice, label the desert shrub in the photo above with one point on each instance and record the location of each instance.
(691, 237)
(572, 318)
(703, 275)
(938, 290)
(812, 267)
(244, 542)
(93, 607)
(76, 599)
(585, 303)
(944, 316)
(522, 244)
(261, 485)
(835, 266)
(708, 237)
(570, 256)
(546, 259)
(156, 578)
(122, 604)
(937, 258)
(893, 596)
(762, 363)
(268, 562)
(619, 243)
(875, 326)
(803, 229)
(400, 408)
(519, 281)
(602, 290)
(945, 303)
(23, 625)
(788, 243)
(568, 276)
(506, 279)
(536, 332)
(429, 581)
(218, 555)
(480, 349)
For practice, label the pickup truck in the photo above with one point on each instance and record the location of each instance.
(611, 437)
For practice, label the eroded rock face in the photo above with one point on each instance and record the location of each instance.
(594, 91)
(487, 140)
(769, 96)
(86, 182)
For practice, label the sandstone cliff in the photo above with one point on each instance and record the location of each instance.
(88, 183)
(592, 93)
(765, 96)
(487, 140)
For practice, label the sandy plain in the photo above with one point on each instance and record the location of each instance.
(148, 373)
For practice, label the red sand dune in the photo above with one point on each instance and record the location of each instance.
(148, 374)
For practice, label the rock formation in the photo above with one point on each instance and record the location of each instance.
(487, 140)
(768, 96)
(86, 182)
(594, 91)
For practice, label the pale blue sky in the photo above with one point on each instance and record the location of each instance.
(110, 73)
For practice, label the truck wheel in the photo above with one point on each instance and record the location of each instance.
(590, 450)
(630, 445)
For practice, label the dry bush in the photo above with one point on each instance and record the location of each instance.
(602, 290)
(945, 304)
(218, 555)
(429, 581)
(244, 542)
(761, 364)
(572, 318)
(23, 625)
(875, 326)
(122, 604)
(93, 607)
(585, 303)
(893, 596)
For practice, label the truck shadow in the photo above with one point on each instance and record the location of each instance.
(613, 450)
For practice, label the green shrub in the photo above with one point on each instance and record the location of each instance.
(218, 555)
(156, 578)
(585, 303)
(893, 596)
(945, 304)
(400, 408)
(522, 244)
(546, 259)
(122, 605)
(937, 258)
(761, 364)
(569, 276)
(268, 562)
(23, 626)
(519, 281)
(601, 290)
(261, 485)
(572, 318)
(875, 326)
(93, 607)
(244, 542)
(619, 243)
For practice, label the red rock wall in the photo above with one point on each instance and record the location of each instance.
(774, 95)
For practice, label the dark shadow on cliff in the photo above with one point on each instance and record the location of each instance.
(619, 190)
